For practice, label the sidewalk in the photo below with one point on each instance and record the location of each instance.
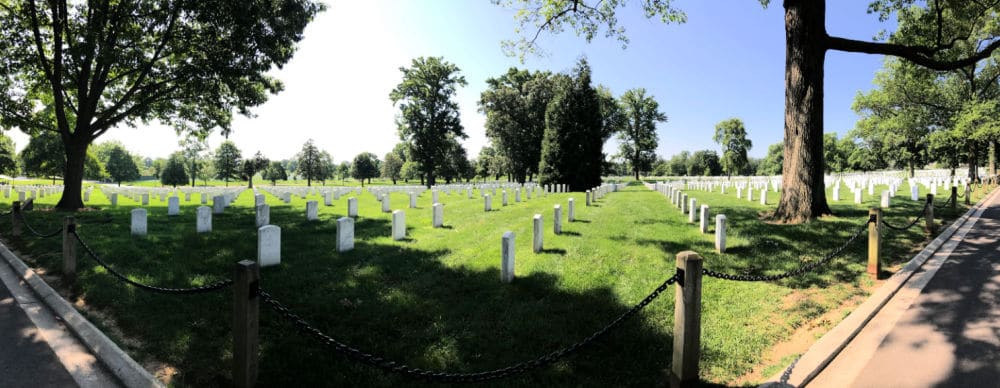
(36, 350)
(942, 329)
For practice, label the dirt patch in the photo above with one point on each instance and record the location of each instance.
(806, 333)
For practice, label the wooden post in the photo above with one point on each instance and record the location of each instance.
(69, 251)
(929, 215)
(687, 320)
(246, 323)
(968, 194)
(874, 242)
(15, 218)
(954, 197)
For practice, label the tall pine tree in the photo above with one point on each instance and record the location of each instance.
(574, 133)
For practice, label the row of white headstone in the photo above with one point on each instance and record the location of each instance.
(680, 200)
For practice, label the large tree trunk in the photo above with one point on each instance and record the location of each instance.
(72, 195)
(803, 196)
(992, 171)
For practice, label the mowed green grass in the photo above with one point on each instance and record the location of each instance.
(435, 300)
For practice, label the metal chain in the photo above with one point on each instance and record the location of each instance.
(194, 290)
(35, 232)
(795, 272)
(945, 203)
(915, 220)
(395, 367)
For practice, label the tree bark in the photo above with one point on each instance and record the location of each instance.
(76, 154)
(803, 196)
(993, 158)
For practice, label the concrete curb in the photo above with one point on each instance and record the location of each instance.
(824, 350)
(129, 372)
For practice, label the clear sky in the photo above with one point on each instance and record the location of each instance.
(726, 61)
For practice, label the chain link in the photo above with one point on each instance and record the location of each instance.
(20, 215)
(945, 203)
(395, 367)
(910, 225)
(795, 272)
(161, 290)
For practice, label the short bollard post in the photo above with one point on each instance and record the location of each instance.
(954, 197)
(687, 319)
(929, 215)
(246, 323)
(69, 251)
(874, 242)
(968, 198)
(15, 218)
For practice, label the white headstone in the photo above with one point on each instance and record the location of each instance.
(703, 223)
(749, 194)
(504, 202)
(385, 203)
(557, 220)
(720, 233)
(138, 222)
(187, 197)
(312, 210)
(836, 194)
(345, 234)
(538, 233)
(263, 215)
(204, 198)
(204, 219)
(258, 200)
(218, 204)
(684, 203)
(398, 225)
(694, 210)
(571, 213)
(885, 200)
(487, 202)
(352, 208)
(914, 196)
(763, 196)
(173, 206)
(517, 195)
(145, 199)
(413, 200)
(434, 196)
(588, 197)
(269, 245)
(437, 218)
(507, 257)
(857, 196)
(114, 199)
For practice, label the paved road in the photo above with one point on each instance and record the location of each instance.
(26, 360)
(950, 335)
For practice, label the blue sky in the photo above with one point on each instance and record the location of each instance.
(726, 61)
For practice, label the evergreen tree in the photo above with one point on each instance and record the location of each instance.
(227, 161)
(574, 133)
(173, 173)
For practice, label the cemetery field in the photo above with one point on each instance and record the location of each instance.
(435, 300)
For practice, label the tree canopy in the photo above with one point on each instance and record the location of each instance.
(638, 139)
(515, 104)
(365, 166)
(94, 66)
(732, 136)
(428, 115)
(251, 166)
(173, 173)
(228, 161)
(309, 164)
(574, 133)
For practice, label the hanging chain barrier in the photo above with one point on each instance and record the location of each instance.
(20, 216)
(519, 368)
(910, 225)
(161, 290)
(795, 272)
(945, 203)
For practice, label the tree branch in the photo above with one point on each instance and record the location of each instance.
(913, 54)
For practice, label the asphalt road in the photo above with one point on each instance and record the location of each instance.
(950, 335)
(26, 360)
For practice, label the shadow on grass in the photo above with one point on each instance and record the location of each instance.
(394, 301)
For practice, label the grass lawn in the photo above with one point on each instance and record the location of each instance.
(435, 300)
